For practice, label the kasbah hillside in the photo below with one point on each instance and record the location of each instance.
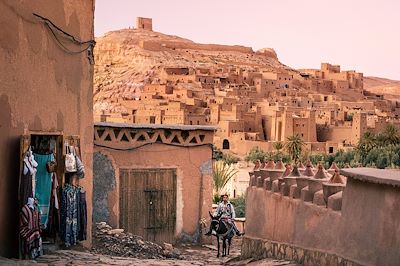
(157, 133)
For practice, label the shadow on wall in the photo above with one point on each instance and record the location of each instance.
(103, 182)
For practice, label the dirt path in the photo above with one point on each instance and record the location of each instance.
(190, 255)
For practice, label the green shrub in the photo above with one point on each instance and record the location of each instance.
(230, 159)
(256, 154)
(239, 204)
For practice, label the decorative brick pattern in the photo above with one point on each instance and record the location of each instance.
(130, 138)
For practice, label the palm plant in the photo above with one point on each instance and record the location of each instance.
(278, 146)
(391, 135)
(294, 146)
(222, 173)
(367, 142)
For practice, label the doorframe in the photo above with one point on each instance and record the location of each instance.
(144, 168)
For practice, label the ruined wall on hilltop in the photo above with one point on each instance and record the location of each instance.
(167, 45)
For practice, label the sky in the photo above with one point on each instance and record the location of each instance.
(361, 35)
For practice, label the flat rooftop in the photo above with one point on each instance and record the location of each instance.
(373, 175)
(156, 126)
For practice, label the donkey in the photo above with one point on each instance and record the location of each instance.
(224, 230)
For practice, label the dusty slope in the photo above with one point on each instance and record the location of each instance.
(122, 66)
(382, 86)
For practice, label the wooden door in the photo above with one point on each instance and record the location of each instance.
(148, 203)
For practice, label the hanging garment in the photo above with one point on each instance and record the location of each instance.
(26, 185)
(69, 215)
(54, 216)
(43, 186)
(30, 166)
(30, 231)
(82, 216)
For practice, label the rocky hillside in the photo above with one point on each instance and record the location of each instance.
(127, 59)
(389, 87)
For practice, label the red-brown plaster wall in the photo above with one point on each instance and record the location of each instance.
(42, 88)
(194, 182)
(365, 231)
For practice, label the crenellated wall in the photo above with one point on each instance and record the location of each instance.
(360, 226)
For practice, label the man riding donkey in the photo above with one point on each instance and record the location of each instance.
(226, 212)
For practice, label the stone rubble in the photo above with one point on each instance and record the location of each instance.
(116, 242)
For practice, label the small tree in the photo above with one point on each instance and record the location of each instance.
(222, 173)
(294, 146)
(256, 154)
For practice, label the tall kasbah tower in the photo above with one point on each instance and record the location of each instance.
(287, 125)
(312, 127)
(144, 23)
(215, 113)
(359, 127)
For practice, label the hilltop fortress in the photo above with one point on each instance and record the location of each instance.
(142, 76)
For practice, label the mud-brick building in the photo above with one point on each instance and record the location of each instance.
(153, 180)
(46, 82)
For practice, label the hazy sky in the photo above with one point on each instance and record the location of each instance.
(357, 34)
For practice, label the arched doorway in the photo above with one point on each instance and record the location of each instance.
(225, 144)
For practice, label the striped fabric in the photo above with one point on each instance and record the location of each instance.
(29, 229)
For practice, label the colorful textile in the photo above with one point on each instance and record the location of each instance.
(43, 186)
(73, 215)
(69, 215)
(29, 230)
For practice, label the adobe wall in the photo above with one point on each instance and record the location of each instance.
(42, 88)
(192, 163)
(144, 23)
(365, 231)
(335, 134)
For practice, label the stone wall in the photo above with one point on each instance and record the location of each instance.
(357, 226)
(103, 184)
(44, 89)
(261, 248)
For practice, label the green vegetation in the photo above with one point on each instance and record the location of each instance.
(240, 206)
(374, 150)
(294, 146)
(256, 154)
(222, 173)
(218, 155)
(278, 146)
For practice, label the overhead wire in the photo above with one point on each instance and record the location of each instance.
(53, 28)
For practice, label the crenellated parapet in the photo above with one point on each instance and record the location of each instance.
(302, 182)
(334, 217)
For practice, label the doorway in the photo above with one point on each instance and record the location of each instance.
(148, 203)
